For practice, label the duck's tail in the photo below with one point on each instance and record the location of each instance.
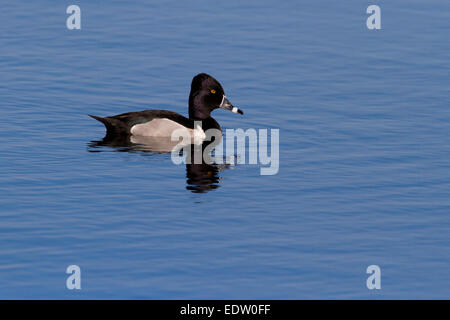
(113, 126)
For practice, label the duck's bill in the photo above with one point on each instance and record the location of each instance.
(228, 106)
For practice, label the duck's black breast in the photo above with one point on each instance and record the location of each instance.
(210, 123)
(151, 122)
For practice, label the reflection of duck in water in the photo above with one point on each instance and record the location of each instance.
(151, 130)
(200, 177)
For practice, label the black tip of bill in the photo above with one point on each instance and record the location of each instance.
(237, 110)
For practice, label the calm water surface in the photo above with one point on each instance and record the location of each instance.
(364, 151)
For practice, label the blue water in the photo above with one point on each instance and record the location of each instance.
(364, 151)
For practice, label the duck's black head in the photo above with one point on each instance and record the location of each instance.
(206, 95)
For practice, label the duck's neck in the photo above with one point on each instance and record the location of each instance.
(196, 111)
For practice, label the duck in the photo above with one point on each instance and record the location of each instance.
(206, 95)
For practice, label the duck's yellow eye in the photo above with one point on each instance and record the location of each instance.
(213, 91)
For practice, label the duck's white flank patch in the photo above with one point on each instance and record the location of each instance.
(161, 127)
(164, 127)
